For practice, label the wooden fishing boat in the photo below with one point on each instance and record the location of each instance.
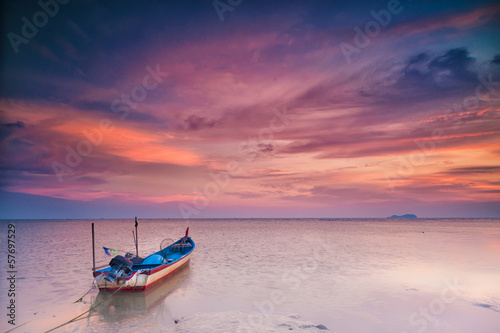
(135, 273)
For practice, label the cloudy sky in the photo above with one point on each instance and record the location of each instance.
(249, 109)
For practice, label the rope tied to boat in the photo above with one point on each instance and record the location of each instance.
(94, 285)
(92, 308)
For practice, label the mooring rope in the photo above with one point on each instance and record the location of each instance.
(94, 285)
(92, 308)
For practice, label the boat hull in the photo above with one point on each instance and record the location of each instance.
(142, 279)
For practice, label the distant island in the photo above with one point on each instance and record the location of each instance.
(405, 216)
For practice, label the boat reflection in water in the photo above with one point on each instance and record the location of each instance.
(150, 304)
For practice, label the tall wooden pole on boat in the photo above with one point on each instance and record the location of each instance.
(136, 239)
(93, 249)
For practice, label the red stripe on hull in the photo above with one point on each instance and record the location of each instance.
(166, 276)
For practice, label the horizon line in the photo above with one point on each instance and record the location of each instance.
(241, 218)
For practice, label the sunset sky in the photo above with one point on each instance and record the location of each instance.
(257, 109)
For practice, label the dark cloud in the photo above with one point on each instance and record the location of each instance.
(8, 128)
(456, 63)
(473, 170)
(490, 191)
(399, 88)
(195, 123)
(103, 106)
(364, 93)
(433, 76)
(414, 69)
(278, 186)
(265, 148)
(496, 60)
(18, 124)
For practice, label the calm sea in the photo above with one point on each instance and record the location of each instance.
(264, 275)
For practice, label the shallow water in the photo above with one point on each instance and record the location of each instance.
(255, 275)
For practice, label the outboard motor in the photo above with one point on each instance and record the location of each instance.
(120, 266)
